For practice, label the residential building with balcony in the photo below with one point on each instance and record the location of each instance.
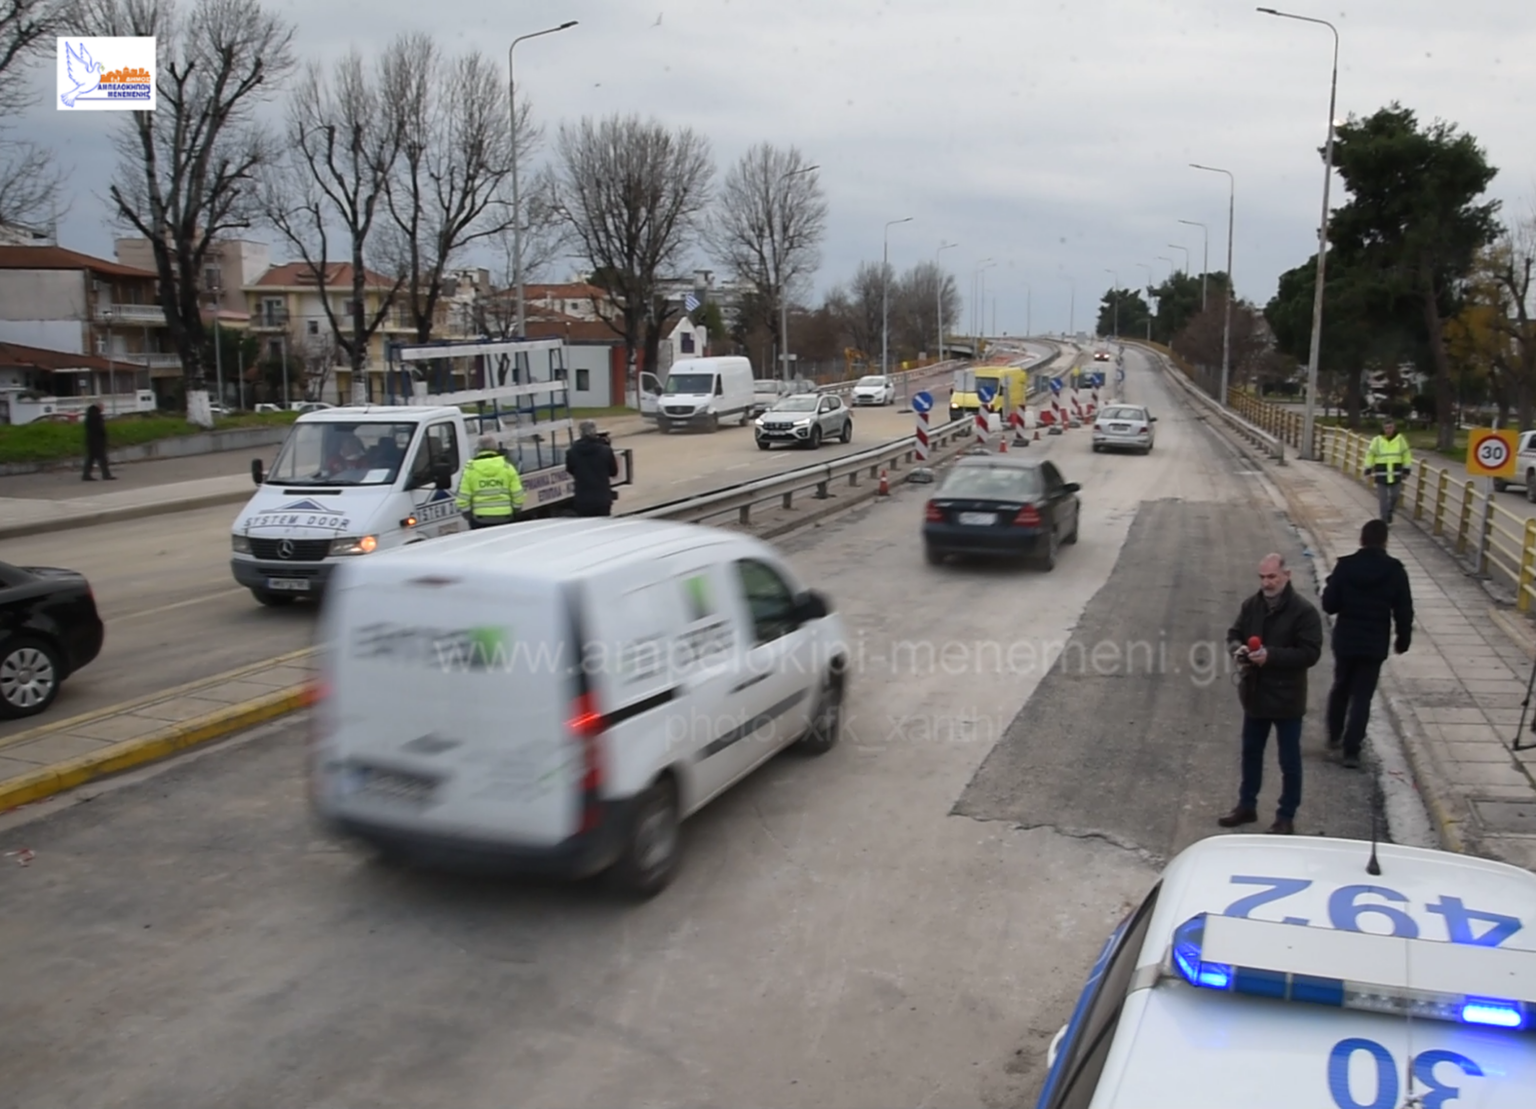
(228, 267)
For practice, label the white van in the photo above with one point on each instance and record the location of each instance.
(558, 696)
(702, 392)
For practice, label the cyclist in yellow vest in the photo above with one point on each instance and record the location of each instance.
(1388, 459)
(490, 491)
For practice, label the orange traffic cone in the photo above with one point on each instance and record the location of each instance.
(1037, 435)
(885, 484)
(1002, 447)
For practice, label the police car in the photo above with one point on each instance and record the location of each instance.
(1268, 971)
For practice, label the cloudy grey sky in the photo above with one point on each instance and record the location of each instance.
(1053, 137)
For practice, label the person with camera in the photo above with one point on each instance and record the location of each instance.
(592, 466)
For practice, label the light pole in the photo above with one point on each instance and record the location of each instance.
(1114, 300)
(1205, 256)
(979, 290)
(1185, 249)
(783, 298)
(1029, 311)
(885, 295)
(1226, 329)
(1308, 421)
(1148, 268)
(1071, 307)
(517, 207)
(943, 246)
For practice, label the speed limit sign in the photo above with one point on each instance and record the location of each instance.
(1491, 453)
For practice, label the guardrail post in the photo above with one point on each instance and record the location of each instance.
(1418, 495)
(744, 514)
(1527, 568)
(1465, 526)
(1485, 540)
(1440, 499)
(789, 500)
(821, 491)
(853, 479)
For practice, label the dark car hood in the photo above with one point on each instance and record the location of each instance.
(53, 572)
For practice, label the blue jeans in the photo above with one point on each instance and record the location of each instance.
(1386, 499)
(1288, 740)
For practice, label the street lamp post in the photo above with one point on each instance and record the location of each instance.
(1226, 330)
(1114, 300)
(1148, 268)
(1205, 256)
(1029, 311)
(1309, 419)
(783, 288)
(885, 295)
(979, 291)
(943, 246)
(1071, 306)
(517, 207)
(1185, 249)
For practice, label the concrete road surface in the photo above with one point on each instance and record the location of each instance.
(906, 921)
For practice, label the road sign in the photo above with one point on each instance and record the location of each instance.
(1491, 453)
(985, 393)
(1120, 377)
(922, 402)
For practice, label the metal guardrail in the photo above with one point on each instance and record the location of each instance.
(1249, 431)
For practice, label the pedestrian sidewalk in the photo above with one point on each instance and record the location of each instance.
(26, 516)
(61, 755)
(1455, 697)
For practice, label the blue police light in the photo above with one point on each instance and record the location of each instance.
(1499, 1014)
(1186, 955)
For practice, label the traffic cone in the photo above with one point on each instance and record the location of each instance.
(1037, 435)
(885, 484)
(1002, 446)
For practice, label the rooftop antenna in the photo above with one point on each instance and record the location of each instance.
(1373, 868)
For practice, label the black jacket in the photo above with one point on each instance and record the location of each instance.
(1293, 637)
(1368, 591)
(95, 429)
(591, 462)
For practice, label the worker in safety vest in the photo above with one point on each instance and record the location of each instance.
(490, 491)
(1388, 459)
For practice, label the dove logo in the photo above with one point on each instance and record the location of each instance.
(106, 74)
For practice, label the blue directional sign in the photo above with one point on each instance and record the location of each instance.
(922, 402)
(985, 393)
(1120, 376)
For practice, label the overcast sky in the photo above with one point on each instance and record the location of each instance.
(1052, 137)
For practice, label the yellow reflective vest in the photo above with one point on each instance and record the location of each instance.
(490, 487)
(1389, 460)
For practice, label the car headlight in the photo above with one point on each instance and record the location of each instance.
(240, 544)
(804, 422)
(366, 544)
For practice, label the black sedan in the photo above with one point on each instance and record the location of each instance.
(49, 628)
(1002, 507)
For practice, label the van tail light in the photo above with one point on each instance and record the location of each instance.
(1028, 517)
(933, 514)
(586, 726)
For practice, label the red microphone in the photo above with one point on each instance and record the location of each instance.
(1255, 643)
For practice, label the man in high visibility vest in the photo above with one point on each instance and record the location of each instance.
(490, 491)
(1388, 459)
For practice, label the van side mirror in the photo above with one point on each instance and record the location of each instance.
(442, 474)
(811, 605)
(1071, 487)
(257, 473)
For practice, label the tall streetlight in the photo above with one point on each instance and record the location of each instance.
(783, 298)
(885, 295)
(1114, 300)
(1071, 305)
(1313, 355)
(1226, 330)
(517, 207)
(1205, 256)
(1148, 268)
(979, 307)
(939, 273)
(1029, 311)
(1185, 249)
(1172, 265)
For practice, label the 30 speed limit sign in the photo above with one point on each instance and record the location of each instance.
(1491, 453)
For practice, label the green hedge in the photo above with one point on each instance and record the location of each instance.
(52, 442)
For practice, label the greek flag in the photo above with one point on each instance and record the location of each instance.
(690, 302)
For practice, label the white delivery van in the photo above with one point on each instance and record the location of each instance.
(557, 697)
(703, 392)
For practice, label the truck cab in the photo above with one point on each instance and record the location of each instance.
(1010, 386)
(1525, 468)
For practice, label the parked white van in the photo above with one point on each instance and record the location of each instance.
(556, 697)
(702, 392)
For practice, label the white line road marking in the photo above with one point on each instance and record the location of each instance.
(180, 604)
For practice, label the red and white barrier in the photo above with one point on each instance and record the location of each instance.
(922, 439)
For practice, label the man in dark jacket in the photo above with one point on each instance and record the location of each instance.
(1273, 688)
(1368, 591)
(96, 444)
(592, 466)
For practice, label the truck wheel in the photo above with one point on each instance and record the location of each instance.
(1500, 485)
(746, 417)
(714, 422)
(273, 600)
(1530, 486)
(652, 847)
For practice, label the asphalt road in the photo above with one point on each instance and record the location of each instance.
(905, 921)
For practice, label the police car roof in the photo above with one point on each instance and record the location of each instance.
(1179, 1045)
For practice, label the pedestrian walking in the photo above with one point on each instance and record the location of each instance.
(1273, 688)
(592, 466)
(1389, 460)
(490, 492)
(1368, 591)
(96, 444)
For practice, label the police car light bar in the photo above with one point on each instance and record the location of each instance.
(1462, 983)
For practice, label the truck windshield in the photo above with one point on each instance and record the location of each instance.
(691, 384)
(965, 381)
(334, 452)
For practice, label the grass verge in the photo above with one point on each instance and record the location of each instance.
(53, 442)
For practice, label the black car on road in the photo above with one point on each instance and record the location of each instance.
(49, 628)
(1001, 507)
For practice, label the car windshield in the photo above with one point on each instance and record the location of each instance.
(1124, 414)
(805, 402)
(1001, 483)
(876, 380)
(336, 452)
(691, 384)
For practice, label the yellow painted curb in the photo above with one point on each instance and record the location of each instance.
(60, 776)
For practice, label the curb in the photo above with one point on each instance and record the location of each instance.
(60, 776)
(116, 515)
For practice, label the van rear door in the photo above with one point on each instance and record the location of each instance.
(450, 694)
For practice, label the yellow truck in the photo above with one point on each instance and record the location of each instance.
(1010, 386)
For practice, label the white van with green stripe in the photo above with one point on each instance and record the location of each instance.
(559, 696)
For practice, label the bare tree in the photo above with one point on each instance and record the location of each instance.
(1514, 257)
(545, 234)
(455, 157)
(634, 194)
(29, 180)
(343, 143)
(187, 170)
(915, 307)
(769, 225)
(860, 305)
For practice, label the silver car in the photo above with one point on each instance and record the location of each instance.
(1124, 427)
(805, 419)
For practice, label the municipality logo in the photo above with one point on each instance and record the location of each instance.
(697, 590)
(106, 74)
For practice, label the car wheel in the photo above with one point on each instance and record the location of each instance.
(714, 421)
(29, 677)
(1500, 485)
(763, 445)
(815, 440)
(1098, 448)
(1077, 519)
(827, 724)
(1530, 486)
(847, 435)
(273, 600)
(651, 849)
(934, 557)
(1047, 561)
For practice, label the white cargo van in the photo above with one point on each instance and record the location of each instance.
(702, 392)
(556, 697)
